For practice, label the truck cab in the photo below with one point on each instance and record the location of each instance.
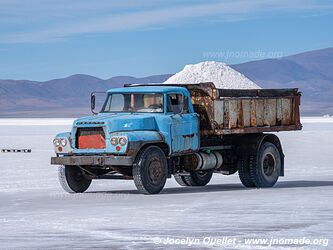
(136, 115)
(132, 120)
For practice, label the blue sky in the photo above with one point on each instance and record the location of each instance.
(46, 39)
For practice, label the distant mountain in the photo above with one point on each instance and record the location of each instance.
(311, 72)
(65, 97)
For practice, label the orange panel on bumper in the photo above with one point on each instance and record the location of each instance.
(91, 141)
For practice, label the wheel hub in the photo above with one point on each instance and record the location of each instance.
(78, 175)
(269, 164)
(155, 171)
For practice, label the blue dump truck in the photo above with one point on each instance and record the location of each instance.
(149, 132)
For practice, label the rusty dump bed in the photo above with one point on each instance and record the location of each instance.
(230, 111)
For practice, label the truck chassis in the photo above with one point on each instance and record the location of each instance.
(232, 139)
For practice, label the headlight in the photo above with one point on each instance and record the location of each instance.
(122, 141)
(56, 142)
(114, 141)
(63, 142)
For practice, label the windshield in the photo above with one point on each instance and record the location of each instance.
(134, 102)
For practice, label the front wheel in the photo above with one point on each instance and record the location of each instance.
(150, 170)
(72, 179)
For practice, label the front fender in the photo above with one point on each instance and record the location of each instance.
(138, 139)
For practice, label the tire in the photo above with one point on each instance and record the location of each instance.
(244, 172)
(72, 179)
(150, 170)
(265, 167)
(180, 180)
(199, 178)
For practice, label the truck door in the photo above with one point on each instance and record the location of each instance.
(184, 124)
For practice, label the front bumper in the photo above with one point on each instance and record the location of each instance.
(93, 160)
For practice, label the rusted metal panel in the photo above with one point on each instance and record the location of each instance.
(219, 112)
(286, 111)
(246, 106)
(265, 93)
(253, 115)
(226, 114)
(270, 112)
(111, 160)
(240, 118)
(297, 114)
(258, 129)
(292, 111)
(203, 104)
(260, 112)
(278, 111)
(233, 113)
(225, 111)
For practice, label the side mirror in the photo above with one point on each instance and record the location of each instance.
(93, 103)
(97, 99)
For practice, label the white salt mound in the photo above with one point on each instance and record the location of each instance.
(219, 73)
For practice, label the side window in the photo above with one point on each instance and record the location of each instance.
(175, 104)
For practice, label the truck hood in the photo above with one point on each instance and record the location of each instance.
(119, 122)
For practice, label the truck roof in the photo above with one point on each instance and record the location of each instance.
(150, 89)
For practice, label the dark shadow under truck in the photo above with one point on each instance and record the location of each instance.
(150, 132)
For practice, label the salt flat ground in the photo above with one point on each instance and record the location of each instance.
(36, 213)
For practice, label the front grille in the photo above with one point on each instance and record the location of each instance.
(90, 138)
(82, 123)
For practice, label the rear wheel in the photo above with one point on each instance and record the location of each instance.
(180, 180)
(266, 166)
(72, 179)
(150, 170)
(261, 170)
(198, 178)
(244, 172)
